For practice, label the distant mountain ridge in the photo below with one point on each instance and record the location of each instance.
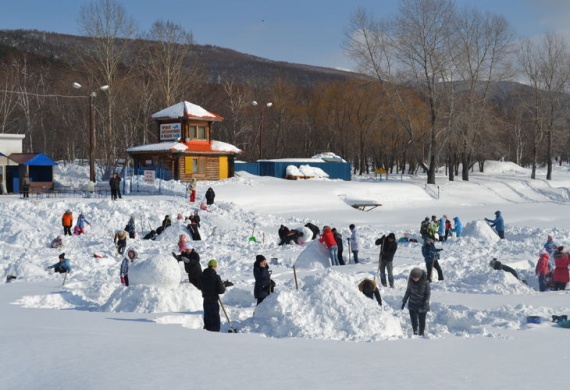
(219, 63)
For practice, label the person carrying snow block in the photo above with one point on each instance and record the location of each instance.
(498, 223)
(81, 222)
(120, 241)
(192, 266)
(62, 266)
(127, 261)
(497, 265)
(560, 274)
(327, 239)
(369, 288)
(542, 269)
(212, 287)
(67, 221)
(354, 242)
(431, 257)
(417, 296)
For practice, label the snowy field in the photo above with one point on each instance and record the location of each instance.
(94, 333)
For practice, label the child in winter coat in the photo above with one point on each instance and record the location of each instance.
(127, 261)
(550, 246)
(57, 242)
(67, 222)
(369, 288)
(210, 195)
(329, 242)
(62, 266)
(457, 226)
(120, 241)
(560, 275)
(542, 269)
(418, 293)
(262, 276)
(191, 189)
(181, 242)
(441, 228)
(81, 222)
(130, 228)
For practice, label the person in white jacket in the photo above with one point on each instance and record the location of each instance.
(354, 241)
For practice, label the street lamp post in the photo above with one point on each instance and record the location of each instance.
(92, 97)
(254, 103)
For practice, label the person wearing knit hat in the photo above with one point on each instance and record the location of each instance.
(542, 269)
(212, 286)
(263, 283)
(417, 296)
(192, 266)
(550, 246)
(62, 266)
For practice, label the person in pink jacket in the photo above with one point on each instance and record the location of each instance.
(327, 238)
(561, 276)
(542, 269)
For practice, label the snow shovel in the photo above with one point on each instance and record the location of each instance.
(64, 278)
(252, 237)
(231, 329)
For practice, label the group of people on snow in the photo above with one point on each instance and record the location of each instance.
(440, 229)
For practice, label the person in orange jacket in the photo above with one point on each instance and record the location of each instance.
(67, 221)
(327, 238)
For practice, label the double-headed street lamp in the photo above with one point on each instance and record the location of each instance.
(254, 103)
(92, 97)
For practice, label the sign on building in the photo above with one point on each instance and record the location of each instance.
(170, 131)
(149, 176)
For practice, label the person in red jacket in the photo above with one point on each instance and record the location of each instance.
(542, 269)
(561, 276)
(327, 238)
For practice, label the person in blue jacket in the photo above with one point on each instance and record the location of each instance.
(441, 229)
(62, 266)
(457, 226)
(431, 257)
(81, 223)
(498, 223)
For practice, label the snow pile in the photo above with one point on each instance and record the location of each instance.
(314, 256)
(480, 231)
(153, 299)
(309, 171)
(328, 306)
(292, 170)
(160, 271)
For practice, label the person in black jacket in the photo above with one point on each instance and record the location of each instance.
(369, 288)
(262, 276)
(338, 238)
(192, 266)
(115, 184)
(388, 248)
(212, 286)
(283, 232)
(418, 292)
(314, 228)
(194, 226)
(210, 195)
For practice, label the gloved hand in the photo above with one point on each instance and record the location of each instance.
(122, 280)
(439, 250)
(403, 306)
(227, 283)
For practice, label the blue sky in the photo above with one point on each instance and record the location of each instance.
(308, 32)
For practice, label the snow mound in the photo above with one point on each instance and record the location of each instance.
(314, 256)
(160, 271)
(152, 299)
(480, 231)
(330, 307)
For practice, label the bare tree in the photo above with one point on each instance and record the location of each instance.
(110, 30)
(169, 59)
(546, 67)
(413, 48)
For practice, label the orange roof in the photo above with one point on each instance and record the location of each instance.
(199, 145)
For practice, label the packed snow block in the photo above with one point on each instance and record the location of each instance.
(314, 256)
(480, 231)
(307, 235)
(159, 271)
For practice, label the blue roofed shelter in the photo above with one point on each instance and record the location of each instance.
(37, 166)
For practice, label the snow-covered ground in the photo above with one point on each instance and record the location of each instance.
(93, 333)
